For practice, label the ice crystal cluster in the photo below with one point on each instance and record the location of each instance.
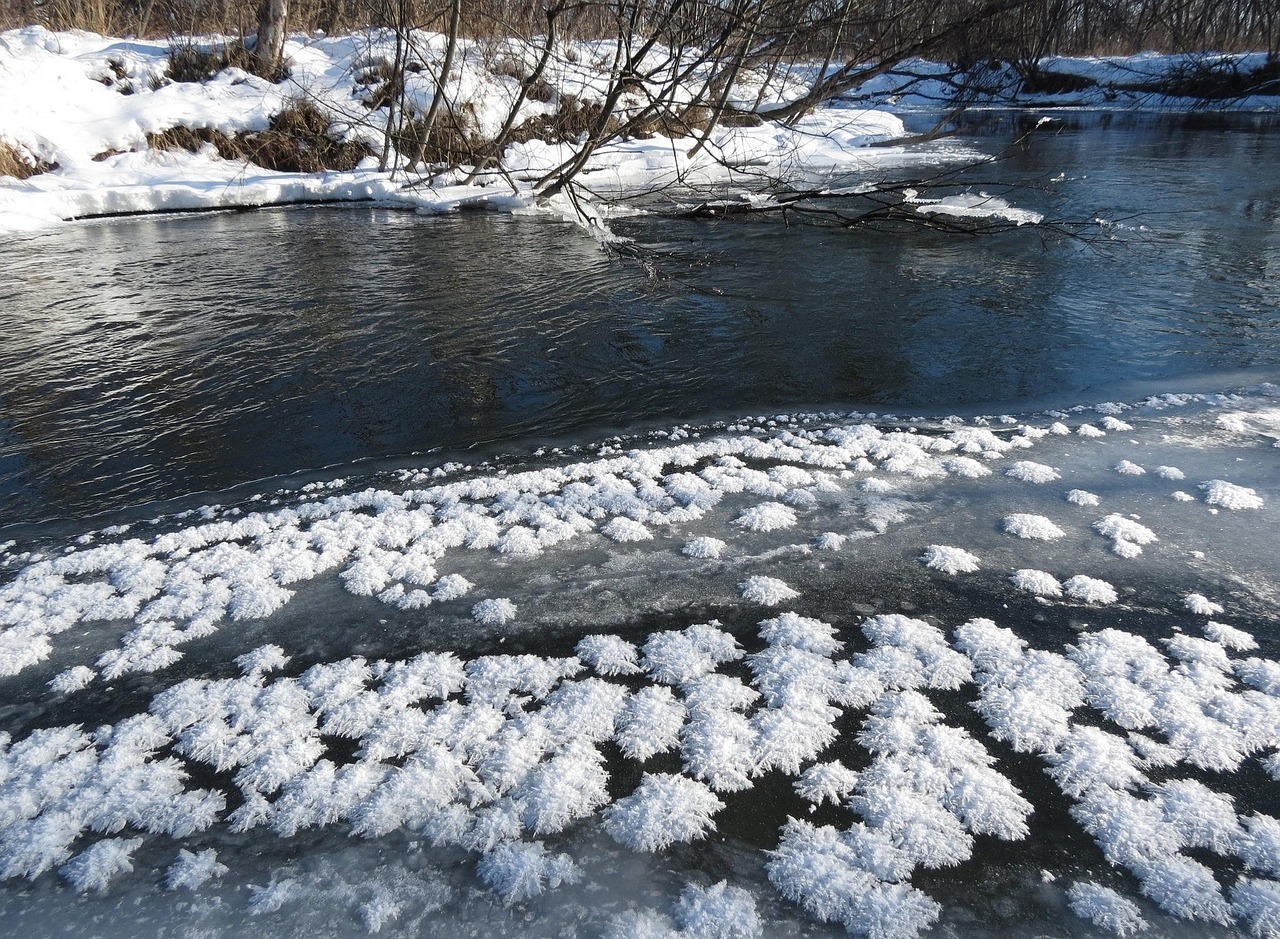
(871, 715)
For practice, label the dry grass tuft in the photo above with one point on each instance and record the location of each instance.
(567, 124)
(453, 140)
(190, 61)
(298, 141)
(19, 164)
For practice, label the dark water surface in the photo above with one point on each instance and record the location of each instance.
(151, 358)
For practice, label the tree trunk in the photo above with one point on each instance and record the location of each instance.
(269, 46)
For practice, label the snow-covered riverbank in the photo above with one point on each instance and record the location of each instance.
(86, 105)
(97, 116)
(1035, 649)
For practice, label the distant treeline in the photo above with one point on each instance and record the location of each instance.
(960, 31)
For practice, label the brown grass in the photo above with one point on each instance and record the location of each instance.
(192, 62)
(453, 140)
(566, 124)
(682, 123)
(20, 165)
(298, 141)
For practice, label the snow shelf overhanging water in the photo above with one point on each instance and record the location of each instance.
(818, 669)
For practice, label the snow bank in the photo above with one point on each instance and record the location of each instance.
(86, 104)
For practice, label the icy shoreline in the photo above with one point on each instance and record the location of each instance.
(526, 668)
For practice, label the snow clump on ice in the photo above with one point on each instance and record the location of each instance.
(718, 912)
(1105, 908)
(1129, 468)
(494, 612)
(1222, 494)
(663, 810)
(1082, 497)
(623, 529)
(1229, 637)
(608, 655)
(73, 679)
(1089, 590)
(949, 560)
(767, 516)
(704, 548)
(1127, 536)
(451, 587)
(1032, 527)
(1036, 583)
(193, 869)
(1031, 472)
(96, 866)
(521, 870)
(767, 591)
(1201, 605)
(824, 782)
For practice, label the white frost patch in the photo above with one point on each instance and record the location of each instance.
(193, 869)
(1088, 430)
(97, 865)
(949, 560)
(829, 541)
(718, 912)
(1089, 590)
(1257, 902)
(768, 591)
(1171, 473)
(622, 530)
(494, 612)
(650, 723)
(801, 632)
(1229, 637)
(767, 516)
(1033, 527)
(1180, 496)
(663, 810)
(1127, 536)
(74, 679)
(965, 467)
(451, 587)
(609, 655)
(1129, 468)
(1201, 605)
(823, 782)
(519, 871)
(674, 657)
(1082, 497)
(1105, 908)
(1115, 424)
(1037, 583)
(1222, 494)
(1031, 472)
(704, 549)
(1186, 889)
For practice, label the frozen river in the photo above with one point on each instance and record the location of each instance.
(1002, 661)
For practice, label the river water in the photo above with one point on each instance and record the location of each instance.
(276, 379)
(149, 358)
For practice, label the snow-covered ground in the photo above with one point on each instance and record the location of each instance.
(87, 103)
(1148, 81)
(845, 669)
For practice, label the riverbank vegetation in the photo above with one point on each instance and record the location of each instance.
(536, 98)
